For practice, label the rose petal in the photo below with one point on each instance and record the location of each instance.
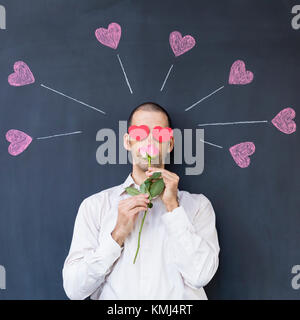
(152, 150)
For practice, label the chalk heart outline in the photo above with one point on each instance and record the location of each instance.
(21, 76)
(138, 132)
(162, 134)
(239, 75)
(284, 122)
(179, 44)
(19, 141)
(111, 36)
(241, 152)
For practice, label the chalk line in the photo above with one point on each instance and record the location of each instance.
(64, 95)
(212, 144)
(128, 84)
(227, 123)
(193, 105)
(59, 135)
(166, 78)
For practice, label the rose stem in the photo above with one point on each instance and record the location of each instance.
(140, 235)
(149, 164)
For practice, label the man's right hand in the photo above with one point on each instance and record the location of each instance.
(128, 210)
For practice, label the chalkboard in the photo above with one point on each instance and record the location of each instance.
(70, 74)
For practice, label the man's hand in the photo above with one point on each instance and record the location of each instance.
(171, 180)
(128, 210)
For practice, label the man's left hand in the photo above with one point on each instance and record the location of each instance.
(171, 180)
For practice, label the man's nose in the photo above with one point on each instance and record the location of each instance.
(150, 138)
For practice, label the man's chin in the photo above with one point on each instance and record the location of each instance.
(143, 167)
(143, 164)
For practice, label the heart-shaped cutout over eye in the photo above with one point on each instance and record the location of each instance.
(162, 134)
(138, 132)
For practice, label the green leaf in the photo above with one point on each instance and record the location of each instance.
(150, 205)
(155, 175)
(157, 187)
(143, 188)
(132, 191)
(148, 183)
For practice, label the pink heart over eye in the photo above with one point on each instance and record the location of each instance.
(138, 132)
(162, 134)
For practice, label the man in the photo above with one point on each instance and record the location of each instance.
(179, 245)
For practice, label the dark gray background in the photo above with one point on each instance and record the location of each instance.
(257, 208)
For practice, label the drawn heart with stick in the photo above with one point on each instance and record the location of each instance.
(111, 36)
(22, 75)
(284, 121)
(241, 152)
(238, 73)
(180, 44)
(19, 141)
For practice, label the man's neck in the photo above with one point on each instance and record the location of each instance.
(138, 175)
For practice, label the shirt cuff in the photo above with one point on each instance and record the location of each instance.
(109, 249)
(177, 221)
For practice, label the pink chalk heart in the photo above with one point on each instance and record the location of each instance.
(241, 152)
(22, 75)
(19, 141)
(238, 73)
(111, 36)
(181, 45)
(284, 121)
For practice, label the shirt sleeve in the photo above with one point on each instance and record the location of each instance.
(194, 245)
(89, 260)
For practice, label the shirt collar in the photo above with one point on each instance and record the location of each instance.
(127, 183)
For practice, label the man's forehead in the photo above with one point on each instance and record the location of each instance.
(150, 118)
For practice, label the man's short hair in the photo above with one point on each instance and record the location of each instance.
(149, 106)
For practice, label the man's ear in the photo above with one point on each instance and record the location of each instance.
(126, 142)
(171, 145)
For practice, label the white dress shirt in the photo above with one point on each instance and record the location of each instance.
(178, 252)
